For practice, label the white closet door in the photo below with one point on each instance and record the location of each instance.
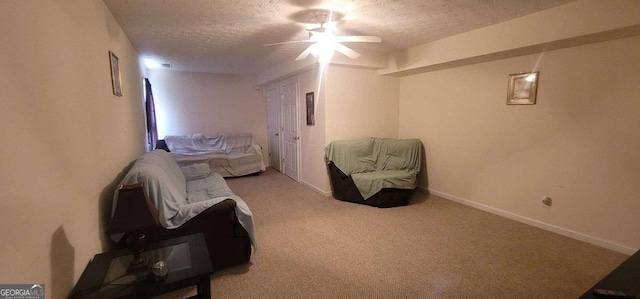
(290, 135)
(273, 127)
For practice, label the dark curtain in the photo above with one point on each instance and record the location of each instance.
(152, 129)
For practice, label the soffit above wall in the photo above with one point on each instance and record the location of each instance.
(574, 24)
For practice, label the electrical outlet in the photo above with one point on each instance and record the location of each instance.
(546, 202)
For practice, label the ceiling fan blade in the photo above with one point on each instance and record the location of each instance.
(346, 51)
(358, 39)
(306, 52)
(321, 30)
(290, 42)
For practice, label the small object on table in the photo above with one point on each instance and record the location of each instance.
(159, 271)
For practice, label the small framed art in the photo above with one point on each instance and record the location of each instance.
(311, 120)
(116, 83)
(523, 88)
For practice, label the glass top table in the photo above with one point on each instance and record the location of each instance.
(186, 258)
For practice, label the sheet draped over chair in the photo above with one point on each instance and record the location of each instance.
(200, 143)
(230, 154)
(377, 163)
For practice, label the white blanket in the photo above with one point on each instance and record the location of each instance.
(199, 143)
(169, 191)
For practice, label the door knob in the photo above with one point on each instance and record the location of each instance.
(296, 138)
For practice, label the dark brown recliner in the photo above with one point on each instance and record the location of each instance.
(228, 242)
(343, 188)
(379, 172)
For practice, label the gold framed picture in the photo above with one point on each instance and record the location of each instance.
(115, 74)
(523, 88)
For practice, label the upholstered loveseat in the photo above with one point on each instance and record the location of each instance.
(229, 154)
(378, 172)
(191, 200)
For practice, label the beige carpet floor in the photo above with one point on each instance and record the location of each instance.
(311, 246)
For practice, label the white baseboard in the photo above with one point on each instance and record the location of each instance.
(549, 227)
(322, 192)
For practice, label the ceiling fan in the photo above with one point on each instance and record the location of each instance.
(324, 41)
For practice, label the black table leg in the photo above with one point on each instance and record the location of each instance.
(204, 287)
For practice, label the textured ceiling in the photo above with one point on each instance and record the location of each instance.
(226, 36)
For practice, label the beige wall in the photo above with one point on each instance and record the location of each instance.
(578, 145)
(312, 139)
(350, 103)
(66, 137)
(190, 102)
(354, 103)
(359, 103)
(312, 169)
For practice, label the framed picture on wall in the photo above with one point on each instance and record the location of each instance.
(311, 121)
(116, 83)
(523, 89)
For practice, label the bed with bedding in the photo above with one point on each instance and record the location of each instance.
(229, 154)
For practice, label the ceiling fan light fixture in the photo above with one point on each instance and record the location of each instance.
(324, 41)
(324, 44)
(325, 54)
